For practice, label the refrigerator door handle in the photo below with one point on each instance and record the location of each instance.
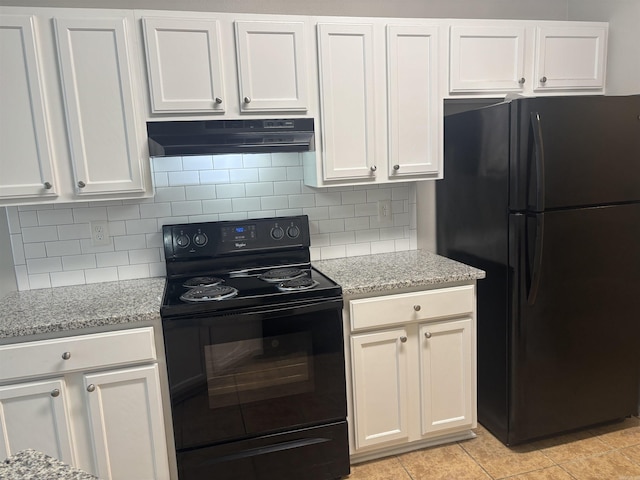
(536, 127)
(537, 260)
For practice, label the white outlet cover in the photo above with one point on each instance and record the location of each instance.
(100, 233)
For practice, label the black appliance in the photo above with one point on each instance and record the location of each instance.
(254, 346)
(544, 195)
(208, 137)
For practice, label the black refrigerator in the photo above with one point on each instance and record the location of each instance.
(544, 195)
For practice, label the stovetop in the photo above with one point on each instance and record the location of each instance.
(241, 257)
(252, 291)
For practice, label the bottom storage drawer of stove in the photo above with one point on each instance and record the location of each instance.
(75, 353)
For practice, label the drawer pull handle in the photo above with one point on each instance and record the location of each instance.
(543, 80)
(218, 100)
(91, 387)
(66, 355)
(427, 334)
(48, 185)
(81, 184)
(417, 308)
(247, 99)
(55, 392)
(403, 339)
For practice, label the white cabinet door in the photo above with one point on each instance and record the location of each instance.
(26, 160)
(487, 58)
(125, 414)
(379, 363)
(35, 415)
(184, 59)
(347, 100)
(95, 67)
(571, 57)
(272, 66)
(412, 116)
(447, 376)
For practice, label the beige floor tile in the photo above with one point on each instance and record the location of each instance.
(608, 466)
(385, 469)
(448, 462)
(500, 461)
(622, 434)
(551, 473)
(573, 446)
(632, 453)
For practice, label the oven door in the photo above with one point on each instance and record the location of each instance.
(245, 374)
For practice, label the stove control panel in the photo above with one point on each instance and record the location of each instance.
(214, 239)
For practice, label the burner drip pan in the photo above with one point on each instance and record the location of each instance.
(208, 294)
(202, 282)
(278, 275)
(304, 283)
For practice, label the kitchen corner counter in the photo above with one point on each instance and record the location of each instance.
(69, 308)
(400, 270)
(33, 465)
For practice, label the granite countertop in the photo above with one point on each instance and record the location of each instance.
(33, 465)
(70, 308)
(399, 270)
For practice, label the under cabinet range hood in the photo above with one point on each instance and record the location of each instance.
(208, 137)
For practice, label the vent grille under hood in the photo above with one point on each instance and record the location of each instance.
(207, 137)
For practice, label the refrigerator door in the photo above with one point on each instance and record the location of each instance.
(574, 152)
(575, 327)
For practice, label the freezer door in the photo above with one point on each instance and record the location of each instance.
(574, 359)
(574, 151)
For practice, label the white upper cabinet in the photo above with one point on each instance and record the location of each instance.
(414, 108)
(347, 102)
(570, 57)
(184, 59)
(26, 156)
(380, 108)
(492, 57)
(487, 58)
(94, 58)
(272, 66)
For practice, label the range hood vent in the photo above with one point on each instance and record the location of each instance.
(208, 137)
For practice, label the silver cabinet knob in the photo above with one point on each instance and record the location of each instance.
(417, 308)
(373, 168)
(81, 184)
(403, 339)
(55, 392)
(521, 81)
(48, 186)
(427, 334)
(543, 80)
(247, 99)
(91, 387)
(218, 100)
(396, 167)
(66, 355)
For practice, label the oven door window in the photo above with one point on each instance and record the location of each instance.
(238, 376)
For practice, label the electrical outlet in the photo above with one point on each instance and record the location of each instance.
(100, 233)
(384, 213)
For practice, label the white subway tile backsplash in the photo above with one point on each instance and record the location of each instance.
(44, 265)
(63, 279)
(63, 247)
(51, 244)
(99, 275)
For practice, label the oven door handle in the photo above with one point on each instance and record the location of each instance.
(298, 308)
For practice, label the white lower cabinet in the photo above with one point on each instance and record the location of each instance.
(98, 408)
(412, 372)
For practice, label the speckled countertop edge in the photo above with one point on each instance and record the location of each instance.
(76, 307)
(398, 270)
(32, 465)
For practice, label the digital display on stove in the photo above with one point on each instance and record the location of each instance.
(237, 233)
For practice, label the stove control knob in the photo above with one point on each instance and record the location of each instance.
(200, 240)
(182, 241)
(293, 231)
(277, 233)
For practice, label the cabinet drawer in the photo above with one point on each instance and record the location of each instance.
(411, 307)
(83, 352)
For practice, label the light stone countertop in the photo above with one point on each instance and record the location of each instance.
(33, 465)
(70, 308)
(386, 272)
